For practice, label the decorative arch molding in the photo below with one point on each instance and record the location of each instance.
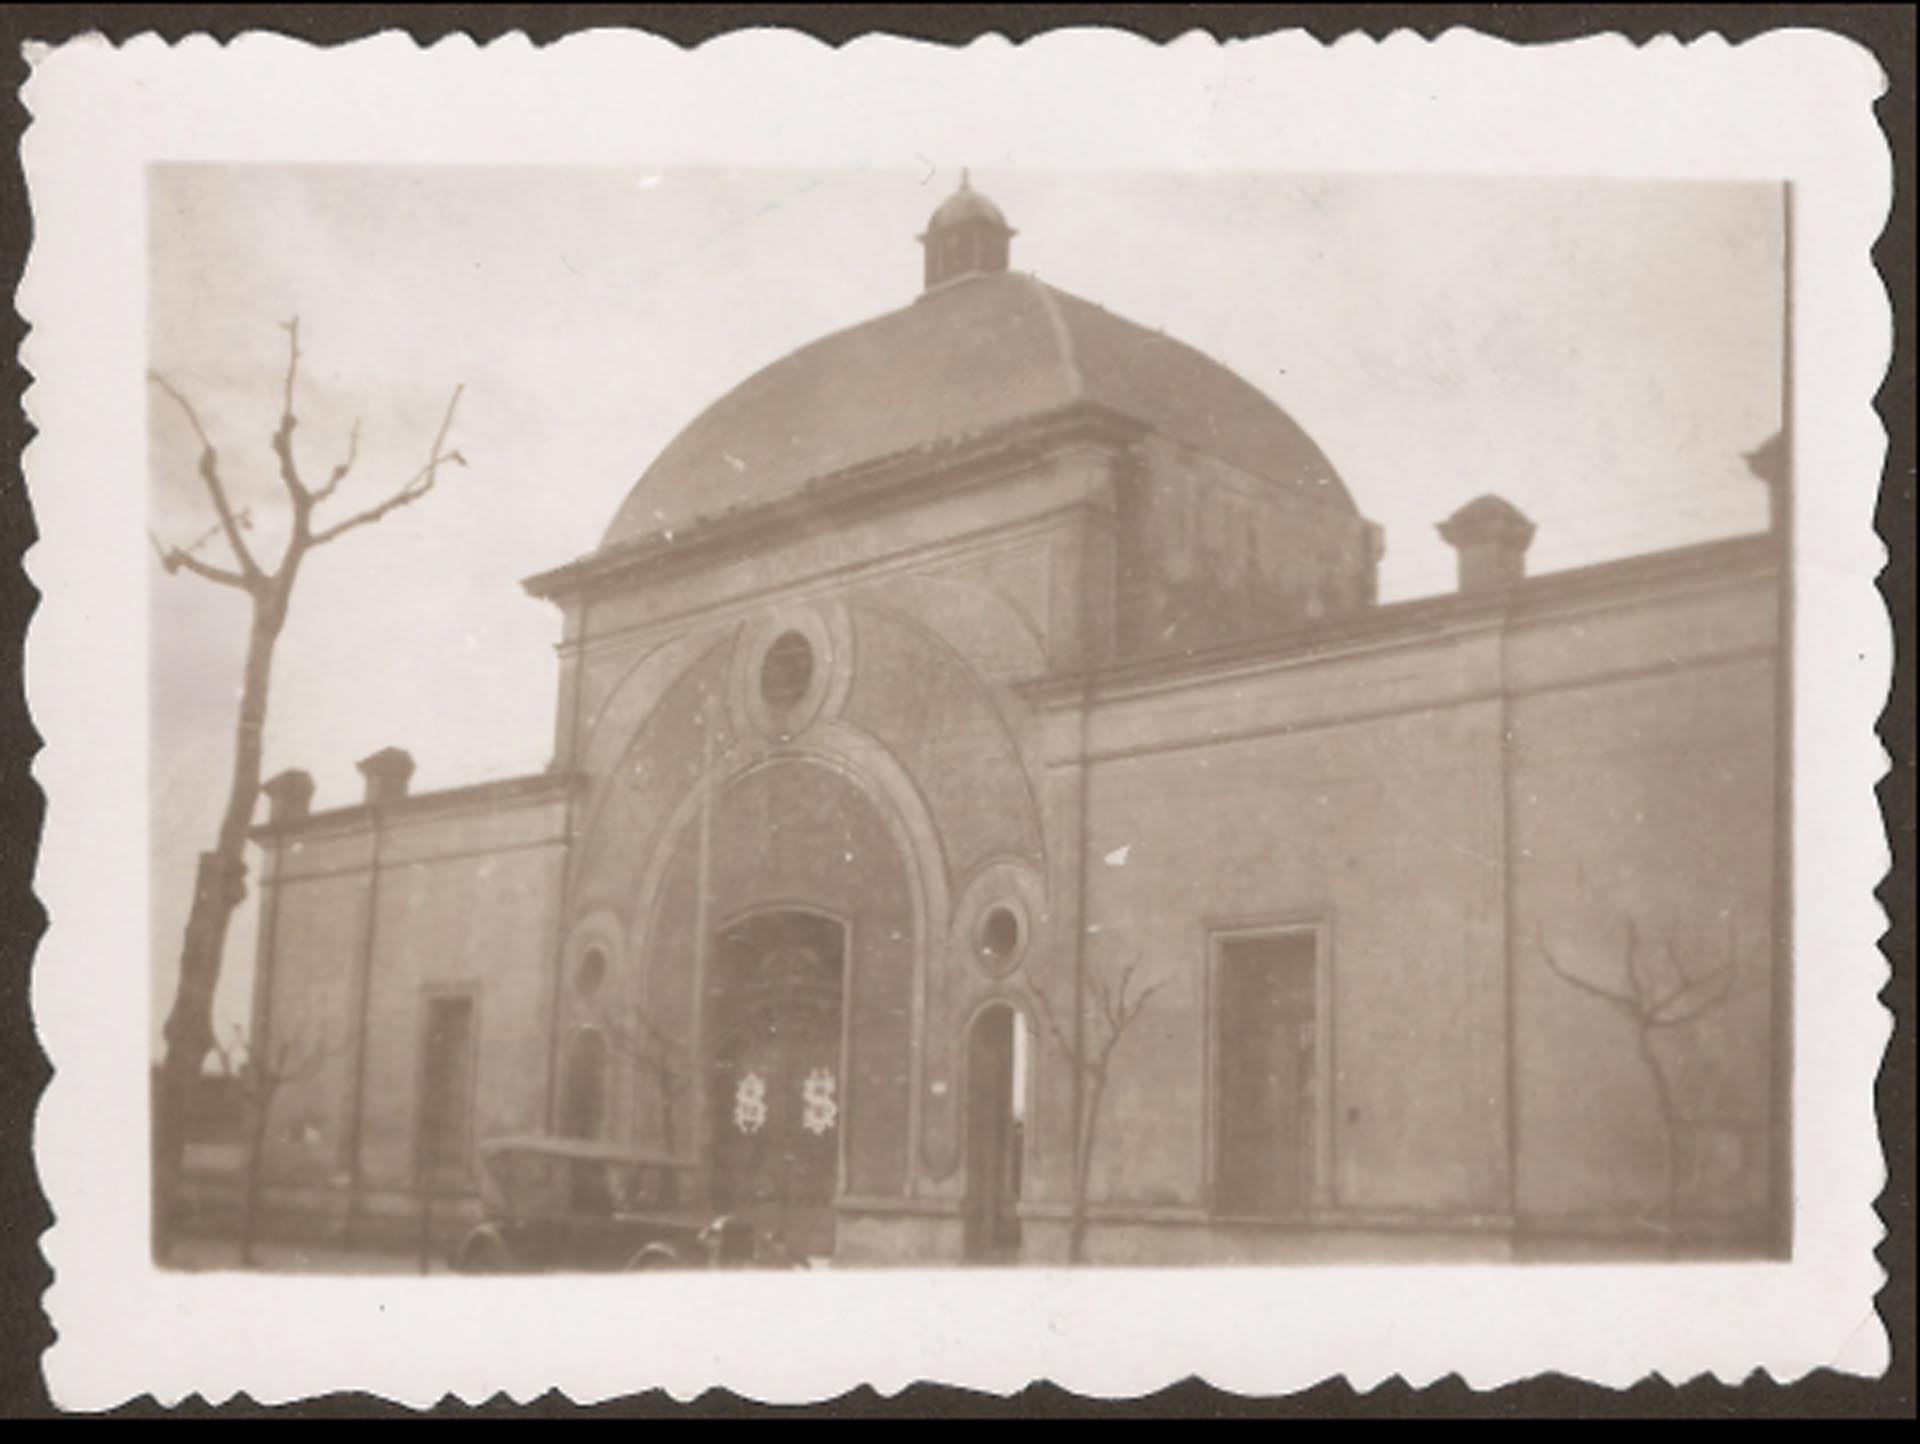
(647, 680)
(872, 772)
(1018, 643)
(1005, 764)
(858, 760)
(683, 702)
(630, 851)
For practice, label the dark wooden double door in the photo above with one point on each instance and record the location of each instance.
(776, 1101)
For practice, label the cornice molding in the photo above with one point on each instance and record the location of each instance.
(870, 489)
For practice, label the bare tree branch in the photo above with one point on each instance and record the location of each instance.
(1127, 1015)
(210, 474)
(1727, 982)
(1652, 1004)
(225, 1054)
(1048, 1017)
(1608, 996)
(1636, 979)
(1089, 1060)
(416, 486)
(174, 559)
(283, 433)
(340, 472)
(292, 328)
(1681, 982)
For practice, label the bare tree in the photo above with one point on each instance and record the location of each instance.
(1654, 995)
(1088, 1052)
(663, 1060)
(259, 1072)
(220, 885)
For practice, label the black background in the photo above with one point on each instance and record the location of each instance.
(1887, 30)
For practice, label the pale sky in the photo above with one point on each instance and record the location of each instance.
(1600, 353)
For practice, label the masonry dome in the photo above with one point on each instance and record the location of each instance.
(964, 361)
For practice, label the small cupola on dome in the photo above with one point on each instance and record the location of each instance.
(967, 236)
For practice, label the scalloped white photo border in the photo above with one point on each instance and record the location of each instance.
(1794, 106)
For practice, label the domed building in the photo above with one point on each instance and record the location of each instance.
(991, 818)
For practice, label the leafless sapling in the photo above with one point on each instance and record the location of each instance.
(1117, 1006)
(1655, 995)
(259, 1071)
(663, 1061)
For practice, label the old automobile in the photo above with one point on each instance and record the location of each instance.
(566, 1204)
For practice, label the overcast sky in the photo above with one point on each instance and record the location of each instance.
(1600, 353)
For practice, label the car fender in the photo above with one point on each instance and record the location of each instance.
(484, 1250)
(655, 1256)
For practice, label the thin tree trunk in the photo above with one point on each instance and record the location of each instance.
(256, 1165)
(1083, 1171)
(1669, 1135)
(668, 1139)
(218, 892)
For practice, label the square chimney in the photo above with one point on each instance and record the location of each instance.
(1492, 536)
(388, 772)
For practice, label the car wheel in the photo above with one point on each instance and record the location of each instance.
(653, 1257)
(483, 1253)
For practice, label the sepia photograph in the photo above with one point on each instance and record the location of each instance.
(1078, 713)
(1060, 719)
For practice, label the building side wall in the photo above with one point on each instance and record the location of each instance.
(1643, 867)
(465, 902)
(1378, 827)
(313, 921)
(1450, 811)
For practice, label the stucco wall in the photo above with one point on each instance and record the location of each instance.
(1301, 797)
(1643, 790)
(1209, 553)
(465, 900)
(1449, 802)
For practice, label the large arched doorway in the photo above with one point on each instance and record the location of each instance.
(996, 1134)
(775, 992)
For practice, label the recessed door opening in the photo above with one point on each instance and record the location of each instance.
(997, 1052)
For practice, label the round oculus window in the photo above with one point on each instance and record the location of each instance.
(999, 937)
(591, 973)
(786, 672)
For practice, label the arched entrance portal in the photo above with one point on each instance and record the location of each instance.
(996, 1128)
(775, 1000)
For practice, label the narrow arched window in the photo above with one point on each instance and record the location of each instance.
(583, 1107)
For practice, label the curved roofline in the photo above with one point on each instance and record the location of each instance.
(1061, 335)
(841, 495)
(958, 359)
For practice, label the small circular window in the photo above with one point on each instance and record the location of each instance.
(786, 672)
(999, 938)
(591, 973)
